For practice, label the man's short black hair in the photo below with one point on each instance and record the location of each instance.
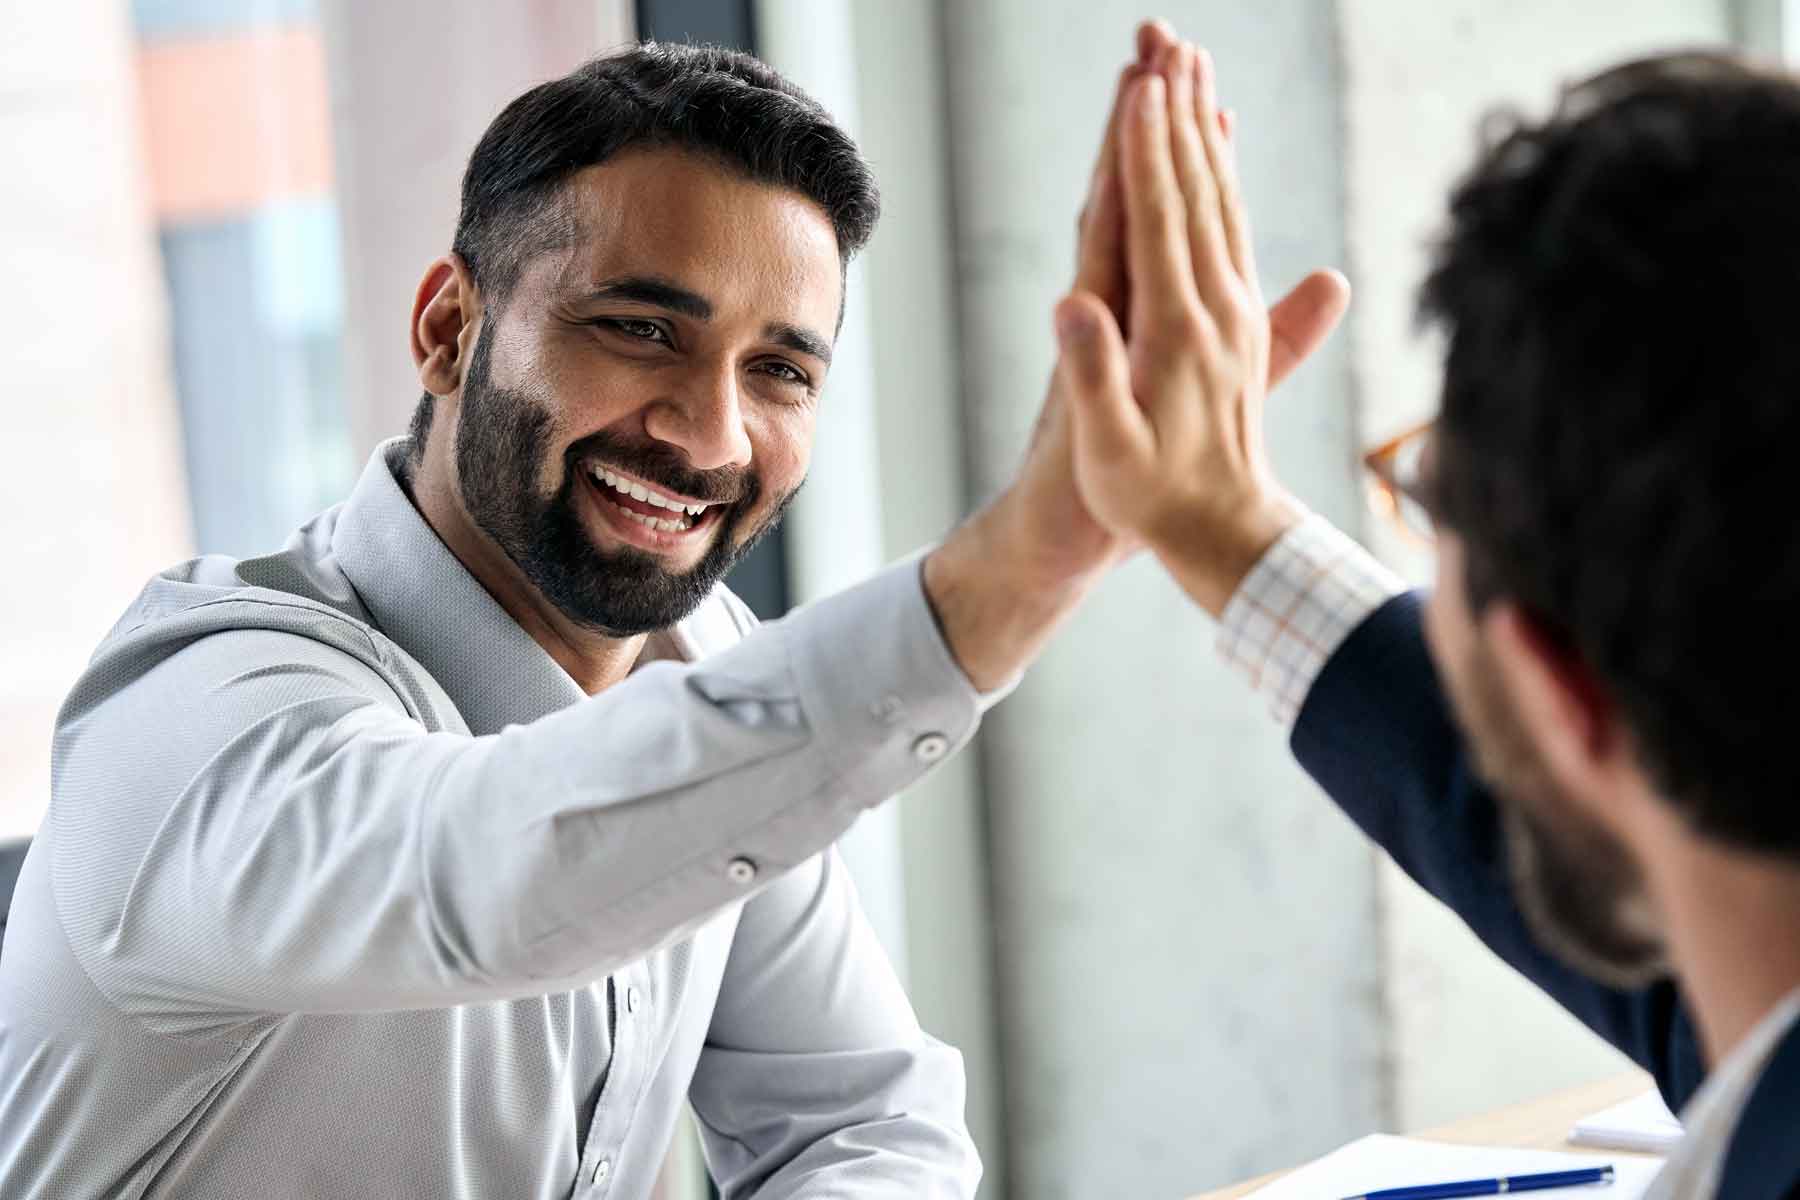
(1621, 413)
(718, 102)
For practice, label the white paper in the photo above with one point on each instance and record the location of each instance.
(1380, 1161)
(1643, 1123)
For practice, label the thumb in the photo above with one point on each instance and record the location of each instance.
(1095, 374)
(1303, 319)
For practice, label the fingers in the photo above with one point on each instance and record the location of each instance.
(1105, 162)
(1235, 220)
(1157, 255)
(1153, 37)
(1213, 272)
(1099, 266)
(1111, 431)
(1301, 321)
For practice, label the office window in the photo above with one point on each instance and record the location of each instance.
(238, 138)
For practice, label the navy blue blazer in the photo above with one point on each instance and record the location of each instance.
(1377, 734)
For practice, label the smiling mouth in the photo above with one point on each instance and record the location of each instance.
(660, 511)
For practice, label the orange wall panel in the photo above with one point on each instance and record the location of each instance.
(234, 123)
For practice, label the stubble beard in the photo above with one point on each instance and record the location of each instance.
(1579, 889)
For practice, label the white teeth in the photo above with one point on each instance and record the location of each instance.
(655, 522)
(638, 491)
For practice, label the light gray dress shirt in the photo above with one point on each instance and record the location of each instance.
(346, 889)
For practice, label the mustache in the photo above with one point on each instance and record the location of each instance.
(665, 466)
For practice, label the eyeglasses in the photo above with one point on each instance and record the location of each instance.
(1396, 484)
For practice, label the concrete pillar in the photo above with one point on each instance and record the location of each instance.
(918, 418)
(92, 495)
(1187, 939)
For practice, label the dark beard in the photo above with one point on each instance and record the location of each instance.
(502, 441)
(1578, 888)
(1583, 900)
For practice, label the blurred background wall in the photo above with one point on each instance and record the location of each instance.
(1168, 961)
(93, 488)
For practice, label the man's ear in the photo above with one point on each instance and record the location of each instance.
(445, 311)
(1555, 695)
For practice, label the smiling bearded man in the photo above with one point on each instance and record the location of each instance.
(503, 449)
(454, 849)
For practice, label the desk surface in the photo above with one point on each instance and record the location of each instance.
(1541, 1124)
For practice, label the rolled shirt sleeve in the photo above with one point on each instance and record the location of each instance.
(256, 822)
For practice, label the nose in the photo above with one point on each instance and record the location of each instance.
(705, 420)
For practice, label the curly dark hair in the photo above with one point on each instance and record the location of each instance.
(708, 99)
(1621, 408)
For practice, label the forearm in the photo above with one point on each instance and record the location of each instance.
(684, 789)
(295, 841)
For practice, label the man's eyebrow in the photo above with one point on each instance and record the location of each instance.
(647, 289)
(805, 341)
(662, 293)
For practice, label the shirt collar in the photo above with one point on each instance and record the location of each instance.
(1724, 1092)
(1711, 1117)
(425, 601)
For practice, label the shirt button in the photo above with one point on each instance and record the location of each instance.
(602, 1169)
(931, 747)
(633, 998)
(740, 871)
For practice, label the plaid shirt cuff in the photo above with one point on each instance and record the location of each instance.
(1296, 607)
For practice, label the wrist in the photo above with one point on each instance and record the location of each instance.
(1211, 557)
(997, 597)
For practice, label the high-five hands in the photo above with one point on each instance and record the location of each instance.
(1164, 259)
(1085, 542)
(1165, 409)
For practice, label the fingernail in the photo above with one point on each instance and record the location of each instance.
(1074, 324)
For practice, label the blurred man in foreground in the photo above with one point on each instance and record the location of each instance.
(1611, 483)
(452, 849)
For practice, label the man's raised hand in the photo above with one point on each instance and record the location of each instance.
(1166, 416)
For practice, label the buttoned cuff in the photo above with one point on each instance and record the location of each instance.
(1307, 594)
(878, 682)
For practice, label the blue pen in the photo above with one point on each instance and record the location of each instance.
(1494, 1187)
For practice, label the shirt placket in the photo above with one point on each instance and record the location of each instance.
(626, 1078)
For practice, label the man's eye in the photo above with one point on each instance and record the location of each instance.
(786, 372)
(647, 331)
